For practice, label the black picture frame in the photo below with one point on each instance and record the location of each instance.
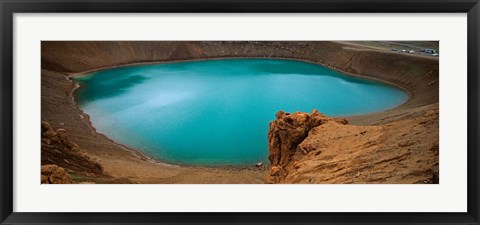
(9, 7)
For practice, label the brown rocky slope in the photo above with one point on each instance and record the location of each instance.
(62, 158)
(313, 148)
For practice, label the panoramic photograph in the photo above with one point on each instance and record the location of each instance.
(240, 112)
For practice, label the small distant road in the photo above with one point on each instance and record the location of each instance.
(411, 45)
(389, 45)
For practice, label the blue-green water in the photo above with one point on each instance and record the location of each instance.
(217, 112)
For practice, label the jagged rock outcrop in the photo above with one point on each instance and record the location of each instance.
(59, 151)
(285, 135)
(58, 138)
(53, 174)
(312, 148)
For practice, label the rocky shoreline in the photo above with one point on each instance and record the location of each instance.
(122, 165)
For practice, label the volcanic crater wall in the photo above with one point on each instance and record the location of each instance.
(414, 73)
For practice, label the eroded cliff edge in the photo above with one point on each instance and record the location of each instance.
(313, 148)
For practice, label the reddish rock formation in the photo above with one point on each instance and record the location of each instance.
(58, 138)
(53, 174)
(287, 132)
(312, 148)
(59, 153)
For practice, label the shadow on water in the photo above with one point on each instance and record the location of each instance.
(103, 85)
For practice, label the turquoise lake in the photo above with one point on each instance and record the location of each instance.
(217, 112)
